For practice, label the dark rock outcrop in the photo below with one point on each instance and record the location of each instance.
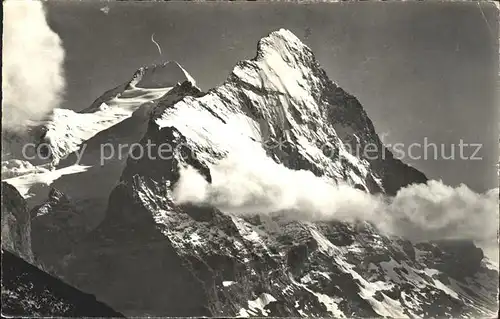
(457, 258)
(30, 292)
(57, 225)
(16, 223)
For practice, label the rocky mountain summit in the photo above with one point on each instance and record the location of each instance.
(144, 254)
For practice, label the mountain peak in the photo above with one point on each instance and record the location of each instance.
(285, 44)
(190, 258)
(162, 75)
(280, 40)
(284, 65)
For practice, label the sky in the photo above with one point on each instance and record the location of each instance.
(422, 71)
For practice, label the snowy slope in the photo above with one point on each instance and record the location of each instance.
(67, 129)
(119, 120)
(68, 132)
(15, 167)
(183, 260)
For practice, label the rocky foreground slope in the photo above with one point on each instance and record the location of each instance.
(149, 255)
(27, 290)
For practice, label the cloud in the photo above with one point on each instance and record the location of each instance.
(244, 184)
(32, 58)
(435, 211)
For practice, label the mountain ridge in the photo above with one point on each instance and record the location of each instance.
(187, 260)
(257, 265)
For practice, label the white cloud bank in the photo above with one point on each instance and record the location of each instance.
(32, 71)
(243, 185)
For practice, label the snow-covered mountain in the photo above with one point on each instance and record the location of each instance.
(67, 130)
(144, 254)
(72, 142)
(68, 193)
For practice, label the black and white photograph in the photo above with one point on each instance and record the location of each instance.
(333, 159)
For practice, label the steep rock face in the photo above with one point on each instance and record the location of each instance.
(29, 292)
(57, 225)
(139, 271)
(16, 223)
(110, 259)
(26, 290)
(356, 130)
(459, 259)
(310, 101)
(223, 265)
